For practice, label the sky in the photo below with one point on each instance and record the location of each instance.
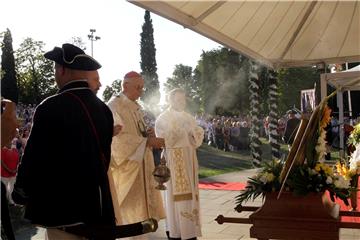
(117, 22)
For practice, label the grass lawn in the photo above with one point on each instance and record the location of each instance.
(213, 161)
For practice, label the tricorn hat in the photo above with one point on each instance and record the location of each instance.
(72, 57)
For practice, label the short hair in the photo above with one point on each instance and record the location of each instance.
(175, 91)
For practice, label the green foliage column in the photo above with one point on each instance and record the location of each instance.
(256, 122)
(151, 96)
(9, 88)
(273, 106)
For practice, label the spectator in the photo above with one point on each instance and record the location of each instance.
(234, 136)
(9, 164)
(8, 131)
(291, 128)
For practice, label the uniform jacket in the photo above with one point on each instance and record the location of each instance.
(62, 173)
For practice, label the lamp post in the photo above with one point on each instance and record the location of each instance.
(92, 38)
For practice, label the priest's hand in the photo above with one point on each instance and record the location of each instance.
(150, 132)
(155, 142)
(117, 129)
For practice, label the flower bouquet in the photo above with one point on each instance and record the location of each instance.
(353, 168)
(304, 170)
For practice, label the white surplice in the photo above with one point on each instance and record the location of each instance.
(130, 174)
(182, 136)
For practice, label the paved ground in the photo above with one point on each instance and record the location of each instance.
(213, 203)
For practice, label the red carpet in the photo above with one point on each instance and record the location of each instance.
(231, 186)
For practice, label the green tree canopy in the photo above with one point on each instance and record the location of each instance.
(9, 88)
(222, 75)
(112, 90)
(183, 78)
(36, 79)
(292, 81)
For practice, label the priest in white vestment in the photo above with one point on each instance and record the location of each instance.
(182, 136)
(130, 174)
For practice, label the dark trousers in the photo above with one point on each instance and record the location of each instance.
(6, 228)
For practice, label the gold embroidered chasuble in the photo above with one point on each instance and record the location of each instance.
(182, 136)
(130, 174)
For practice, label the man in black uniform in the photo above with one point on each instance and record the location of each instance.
(292, 125)
(62, 178)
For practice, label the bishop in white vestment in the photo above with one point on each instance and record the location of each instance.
(130, 174)
(182, 136)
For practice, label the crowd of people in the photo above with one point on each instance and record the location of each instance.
(11, 153)
(225, 133)
(233, 133)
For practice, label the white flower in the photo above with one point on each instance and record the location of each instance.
(321, 145)
(263, 178)
(329, 180)
(355, 159)
(267, 177)
(341, 182)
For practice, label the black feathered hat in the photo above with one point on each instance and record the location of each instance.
(72, 57)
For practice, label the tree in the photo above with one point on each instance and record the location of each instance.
(151, 96)
(206, 74)
(9, 88)
(112, 90)
(222, 77)
(36, 79)
(183, 78)
(292, 81)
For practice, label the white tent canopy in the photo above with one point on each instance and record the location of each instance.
(346, 80)
(277, 33)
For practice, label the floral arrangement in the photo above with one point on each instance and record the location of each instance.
(354, 138)
(354, 161)
(304, 170)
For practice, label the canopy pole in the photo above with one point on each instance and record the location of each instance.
(340, 104)
(323, 86)
(350, 107)
(349, 98)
